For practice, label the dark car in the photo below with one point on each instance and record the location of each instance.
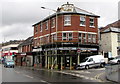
(9, 63)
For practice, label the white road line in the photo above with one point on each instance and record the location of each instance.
(28, 76)
(45, 81)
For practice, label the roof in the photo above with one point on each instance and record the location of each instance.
(28, 41)
(72, 10)
(115, 24)
(111, 29)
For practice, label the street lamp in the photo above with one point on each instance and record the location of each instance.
(56, 25)
(56, 17)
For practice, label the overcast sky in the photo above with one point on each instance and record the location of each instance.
(18, 16)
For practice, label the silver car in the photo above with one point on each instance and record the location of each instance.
(116, 60)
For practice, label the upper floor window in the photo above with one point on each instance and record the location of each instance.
(91, 21)
(67, 20)
(89, 38)
(70, 36)
(47, 39)
(118, 37)
(82, 20)
(53, 22)
(40, 27)
(53, 37)
(64, 36)
(80, 37)
(94, 38)
(36, 28)
(84, 37)
(46, 25)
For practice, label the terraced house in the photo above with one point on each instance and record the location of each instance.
(64, 38)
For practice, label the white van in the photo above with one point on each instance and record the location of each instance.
(92, 61)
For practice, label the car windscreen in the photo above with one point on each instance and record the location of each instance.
(84, 60)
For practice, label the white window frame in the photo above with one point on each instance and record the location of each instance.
(53, 23)
(54, 37)
(46, 25)
(94, 38)
(69, 36)
(64, 37)
(36, 29)
(80, 38)
(82, 20)
(92, 22)
(67, 22)
(40, 27)
(89, 38)
(47, 38)
(84, 38)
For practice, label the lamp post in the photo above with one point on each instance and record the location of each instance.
(56, 18)
(56, 29)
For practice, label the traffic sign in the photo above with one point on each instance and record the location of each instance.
(78, 50)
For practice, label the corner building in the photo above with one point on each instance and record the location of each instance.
(66, 37)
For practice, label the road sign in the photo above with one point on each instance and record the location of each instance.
(78, 50)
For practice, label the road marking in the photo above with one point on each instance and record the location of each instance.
(98, 76)
(17, 71)
(28, 76)
(82, 76)
(45, 81)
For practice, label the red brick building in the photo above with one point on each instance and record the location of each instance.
(24, 56)
(60, 35)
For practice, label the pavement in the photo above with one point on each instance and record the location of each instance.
(100, 77)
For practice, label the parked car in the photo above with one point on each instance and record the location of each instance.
(116, 60)
(9, 63)
(92, 61)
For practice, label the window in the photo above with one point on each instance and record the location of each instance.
(46, 25)
(53, 23)
(47, 39)
(82, 20)
(84, 38)
(67, 20)
(89, 38)
(118, 37)
(40, 27)
(64, 36)
(54, 37)
(94, 38)
(36, 28)
(80, 37)
(70, 36)
(91, 22)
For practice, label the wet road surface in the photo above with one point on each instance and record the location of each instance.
(40, 76)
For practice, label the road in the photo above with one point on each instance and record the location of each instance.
(23, 75)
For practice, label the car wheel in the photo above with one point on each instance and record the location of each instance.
(86, 67)
(118, 61)
(102, 65)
